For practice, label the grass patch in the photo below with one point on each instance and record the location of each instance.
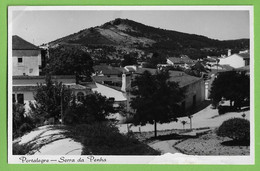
(105, 139)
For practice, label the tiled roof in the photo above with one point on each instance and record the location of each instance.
(20, 44)
(184, 59)
(244, 55)
(109, 92)
(182, 78)
(177, 76)
(108, 70)
(32, 87)
(43, 77)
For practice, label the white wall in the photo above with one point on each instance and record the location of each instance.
(29, 62)
(234, 60)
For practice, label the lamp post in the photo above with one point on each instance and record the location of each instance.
(190, 117)
(61, 104)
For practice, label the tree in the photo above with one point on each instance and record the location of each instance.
(155, 60)
(51, 99)
(67, 60)
(92, 108)
(129, 60)
(231, 85)
(156, 99)
(21, 122)
(183, 123)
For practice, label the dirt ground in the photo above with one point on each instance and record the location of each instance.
(211, 144)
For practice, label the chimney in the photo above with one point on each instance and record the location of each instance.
(126, 82)
(229, 52)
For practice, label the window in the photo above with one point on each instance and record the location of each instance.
(20, 60)
(80, 96)
(14, 100)
(20, 98)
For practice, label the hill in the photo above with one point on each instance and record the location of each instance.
(112, 40)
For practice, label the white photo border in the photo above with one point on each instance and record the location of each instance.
(162, 159)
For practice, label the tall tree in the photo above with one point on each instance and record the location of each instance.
(231, 85)
(51, 99)
(155, 60)
(68, 60)
(92, 108)
(129, 60)
(156, 99)
(21, 123)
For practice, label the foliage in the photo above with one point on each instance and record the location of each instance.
(21, 122)
(155, 60)
(224, 109)
(22, 149)
(236, 128)
(69, 60)
(156, 99)
(232, 85)
(129, 60)
(50, 99)
(105, 139)
(92, 108)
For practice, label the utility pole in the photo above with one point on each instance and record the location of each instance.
(61, 104)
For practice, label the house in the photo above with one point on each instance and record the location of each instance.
(108, 75)
(26, 57)
(27, 63)
(24, 87)
(194, 87)
(121, 93)
(184, 61)
(236, 60)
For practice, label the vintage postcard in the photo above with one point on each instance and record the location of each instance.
(130, 85)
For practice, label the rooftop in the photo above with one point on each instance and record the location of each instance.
(108, 70)
(182, 59)
(20, 44)
(33, 87)
(177, 76)
(244, 55)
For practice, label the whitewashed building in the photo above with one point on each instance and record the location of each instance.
(26, 57)
(236, 60)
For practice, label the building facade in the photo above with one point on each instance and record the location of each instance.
(236, 60)
(24, 87)
(26, 57)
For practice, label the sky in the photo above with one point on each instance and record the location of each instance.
(40, 27)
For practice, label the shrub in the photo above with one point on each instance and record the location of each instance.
(23, 149)
(105, 139)
(236, 129)
(224, 109)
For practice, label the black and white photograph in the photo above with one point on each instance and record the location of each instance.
(130, 85)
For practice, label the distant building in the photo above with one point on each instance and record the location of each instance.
(183, 61)
(236, 60)
(26, 57)
(108, 75)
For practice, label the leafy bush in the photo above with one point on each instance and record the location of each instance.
(105, 139)
(225, 109)
(23, 149)
(21, 123)
(92, 108)
(236, 129)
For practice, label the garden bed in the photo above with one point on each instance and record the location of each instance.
(211, 144)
